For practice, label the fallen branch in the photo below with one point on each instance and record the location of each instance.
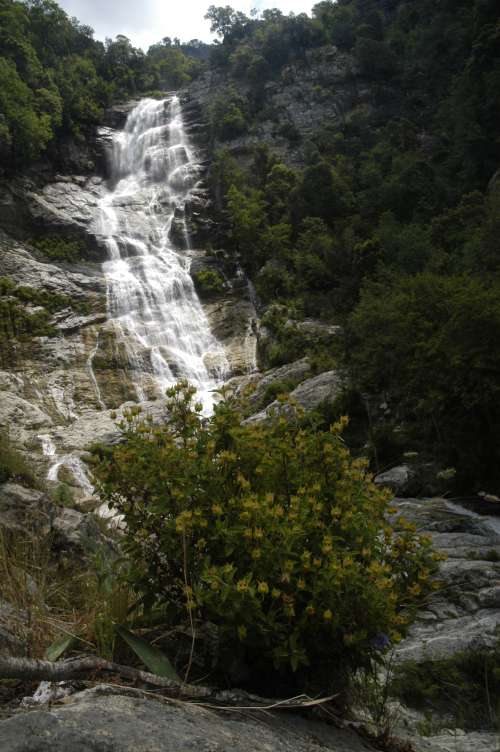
(29, 669)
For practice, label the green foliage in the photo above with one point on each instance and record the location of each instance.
(13, 465)
(208, 282)
(63, 496)
(59, 248)
(271, 532)
(430, 343)
(227, 115)
(465, 686)
(156, 661)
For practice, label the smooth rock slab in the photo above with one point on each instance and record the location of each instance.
(94, 722)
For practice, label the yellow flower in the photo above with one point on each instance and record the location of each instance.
(276, 593)
(310, 610)
(242, 632)
(258, 533)
(415, 589)
(256, 553)
(327, 615)
(301, 584)
(247, 533)
(216, 509)
(242, 586)
(263, 587)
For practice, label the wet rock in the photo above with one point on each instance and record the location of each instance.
(93, 721)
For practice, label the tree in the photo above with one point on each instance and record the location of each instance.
(429, 342)
(226, 22)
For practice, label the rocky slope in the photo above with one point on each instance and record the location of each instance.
(64, 386)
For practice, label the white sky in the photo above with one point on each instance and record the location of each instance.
(148, 21)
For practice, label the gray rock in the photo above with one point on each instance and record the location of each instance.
(13, 623)
(93, 721)
(401, 480)
(18, 262)
(75, 529)
(309, 395)
(67, 321)
(23, 509)
(465, 612)
(254, 385)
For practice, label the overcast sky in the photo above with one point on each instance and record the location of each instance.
(147, 21)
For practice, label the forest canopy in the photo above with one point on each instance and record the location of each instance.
(56, 79)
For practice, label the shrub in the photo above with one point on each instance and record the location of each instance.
(271, 532)
(208, 282)
(59, 248)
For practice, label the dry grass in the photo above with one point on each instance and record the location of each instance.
(55, 596)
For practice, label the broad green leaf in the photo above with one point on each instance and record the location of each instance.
(58, 647)
(156, 661)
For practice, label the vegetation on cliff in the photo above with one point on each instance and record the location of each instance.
(390, 227)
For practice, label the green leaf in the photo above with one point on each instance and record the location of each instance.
(156, 661)
(58, 647)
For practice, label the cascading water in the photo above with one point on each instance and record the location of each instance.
(152, 302)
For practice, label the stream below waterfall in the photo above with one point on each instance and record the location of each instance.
(153, 309)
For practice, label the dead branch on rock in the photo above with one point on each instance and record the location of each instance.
(28, 669)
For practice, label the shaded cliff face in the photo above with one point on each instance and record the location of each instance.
(322, 89)
(101, 317)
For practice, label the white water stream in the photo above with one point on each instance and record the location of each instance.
(152, 302)
(153, 307)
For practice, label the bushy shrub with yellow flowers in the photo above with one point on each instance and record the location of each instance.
(270, 531)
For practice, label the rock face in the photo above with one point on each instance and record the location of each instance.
(295, 104)
(93, 721)
(465, 613)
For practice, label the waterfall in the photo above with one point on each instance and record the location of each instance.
(152, 304)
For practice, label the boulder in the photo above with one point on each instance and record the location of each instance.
(254, 385)
(465, 612)
(24, 509)
(74, 529)
(402, 480)
(309, 395)
(106, 719)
